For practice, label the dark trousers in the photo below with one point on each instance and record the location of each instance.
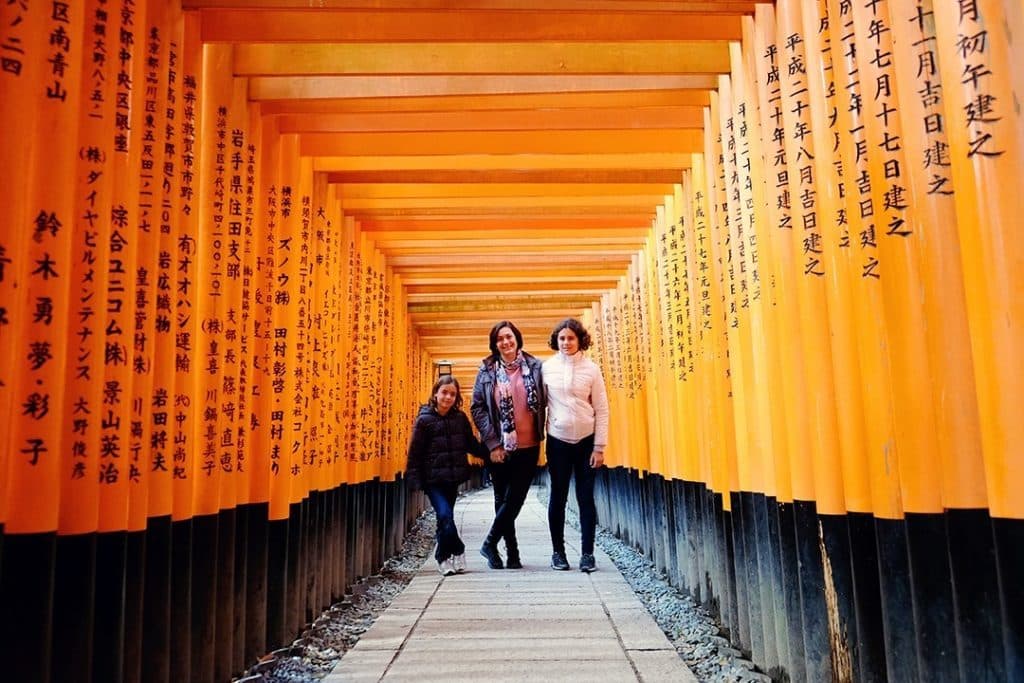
(442, 498)
(511, 480)
(564, 461)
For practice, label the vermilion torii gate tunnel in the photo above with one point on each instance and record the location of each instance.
(236, 237)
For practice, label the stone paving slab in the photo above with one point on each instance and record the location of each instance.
(514, 625)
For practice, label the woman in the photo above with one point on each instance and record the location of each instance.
(437, 464)
(577, 435)
(508, 410)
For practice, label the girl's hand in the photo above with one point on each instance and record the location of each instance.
(498, 454)
(597, 459)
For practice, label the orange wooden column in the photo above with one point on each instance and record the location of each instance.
(864, 262)
(169, 203)
(664, 398)
(933, 221)
(286, 488)
(686, 315)
(727, 448)
(245, 187)
(23, 70)
(836, 245)
(811, 274)
(33, 443)
(150, 78)
(779, 260)
(48, 43)
(186, 319)
(213, 475)
(305, 381)
(981, 81)
(350, 275)
(764, 295)
(265, 432)
(79, 476)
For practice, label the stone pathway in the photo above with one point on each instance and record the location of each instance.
(514, 625)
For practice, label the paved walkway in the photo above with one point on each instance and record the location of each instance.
(514, 625)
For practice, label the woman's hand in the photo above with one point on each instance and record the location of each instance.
(597, 459)
(498, 454)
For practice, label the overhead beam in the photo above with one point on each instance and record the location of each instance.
(581, 203)
(613, 99)
(566, 235)
(479, 57)
(505, 119)
(424, 190)
(639, 175)
(513, 20)
(638, 223)
(488, 162)
(314, 87)
(503, 142)
(402, 265)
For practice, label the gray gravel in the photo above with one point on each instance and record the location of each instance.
(691, 629)
(317, 651)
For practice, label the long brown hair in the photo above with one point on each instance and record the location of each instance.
(441, 381)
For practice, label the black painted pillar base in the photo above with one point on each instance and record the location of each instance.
(73, 607)
(111, 562)
(156, 627)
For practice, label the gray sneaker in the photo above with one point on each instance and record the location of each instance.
(587, 563)
(445, 567)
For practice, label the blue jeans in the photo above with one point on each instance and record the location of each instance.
(442, 498)
(564, 460)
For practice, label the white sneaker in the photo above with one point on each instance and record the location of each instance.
(446, 568)
(459, 563)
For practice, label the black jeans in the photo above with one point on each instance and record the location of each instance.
(442, 498)
(511, 480)
(564, 460)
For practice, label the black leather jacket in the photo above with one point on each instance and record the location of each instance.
(485, 410)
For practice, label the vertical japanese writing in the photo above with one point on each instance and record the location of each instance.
(935, 157)
(89, 275)
(842, 25)
(147, 264)
(879, 66)
(13, 43)
(59, 46)
(249, 288)
(354, 365)
(185, 284)
(840, 225)
(213, 322)
(161, 437)
(800, 156)
(303, 339)
(117, 391)
(275, 362)
(983, 109)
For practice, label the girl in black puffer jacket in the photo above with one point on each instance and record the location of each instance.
(441, 438)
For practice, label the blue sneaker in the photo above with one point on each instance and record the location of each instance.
(559, 562)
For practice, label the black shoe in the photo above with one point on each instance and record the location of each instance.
(493, 558)
(587, 563)
(559, 562)
(513, 562)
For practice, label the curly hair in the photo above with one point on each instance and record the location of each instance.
(577, 328)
